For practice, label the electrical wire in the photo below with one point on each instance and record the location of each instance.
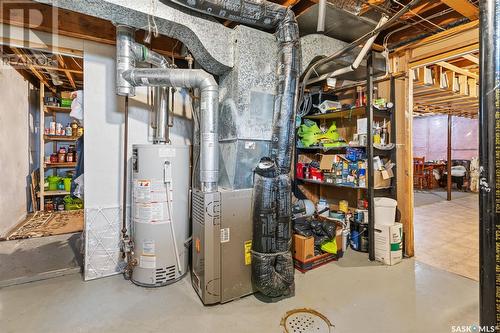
(422, 18)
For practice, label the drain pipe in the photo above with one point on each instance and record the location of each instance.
(191, 78)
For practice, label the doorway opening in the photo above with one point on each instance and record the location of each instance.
(446, 141)
(42, 222)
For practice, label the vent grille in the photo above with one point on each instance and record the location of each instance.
(198, 208)
(164, 275)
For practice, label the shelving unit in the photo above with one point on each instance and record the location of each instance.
(353, 193)
(51, 111)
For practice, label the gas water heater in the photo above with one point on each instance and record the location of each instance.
(160, 213)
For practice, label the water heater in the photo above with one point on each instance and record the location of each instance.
(160, 213)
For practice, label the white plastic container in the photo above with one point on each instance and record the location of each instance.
(385, 211)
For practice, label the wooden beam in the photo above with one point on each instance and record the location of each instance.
(448, 164)
(472, 58)
(39, 75)
(73, 24)
(464, 7)
(458, 69)
(76, 71)
(61, 62)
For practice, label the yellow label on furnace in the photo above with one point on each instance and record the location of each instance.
(248, 255)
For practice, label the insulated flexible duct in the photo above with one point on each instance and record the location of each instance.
(272, 264)
(191, 78)
(259, 13)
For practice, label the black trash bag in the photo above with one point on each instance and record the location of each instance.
(317, 228)
(302, 226)
(330, 229)
(272, 274)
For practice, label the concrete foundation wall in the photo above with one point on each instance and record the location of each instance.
(14, 157)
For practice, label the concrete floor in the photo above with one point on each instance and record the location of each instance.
(447, 232)
(33, 259)
(355, 294)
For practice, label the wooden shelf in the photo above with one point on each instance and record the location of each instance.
(61, 165)
(339, 114)
(354, 112)
(317, 182)
(53, 193)
(50, 109)
(325, 149)
(312, 181)
(59, 138)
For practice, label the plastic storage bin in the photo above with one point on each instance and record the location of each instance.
(385, 211)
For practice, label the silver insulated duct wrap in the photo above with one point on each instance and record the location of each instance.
(272, 264)
(191, 78)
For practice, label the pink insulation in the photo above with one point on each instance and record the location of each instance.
(430, 136)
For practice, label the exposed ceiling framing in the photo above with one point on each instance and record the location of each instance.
(38, 66)
(449, 87)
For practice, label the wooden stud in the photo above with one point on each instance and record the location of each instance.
(464, 7)
(458, 69)
(61, 62)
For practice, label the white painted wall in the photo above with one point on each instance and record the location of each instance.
(14, 157)
(103, 154)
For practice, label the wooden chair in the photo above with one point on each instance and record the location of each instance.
(419, 172)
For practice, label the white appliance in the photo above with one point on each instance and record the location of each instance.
(160, 213)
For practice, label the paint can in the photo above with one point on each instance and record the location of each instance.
(359, 236)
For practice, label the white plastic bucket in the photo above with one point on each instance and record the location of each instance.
(385, 211)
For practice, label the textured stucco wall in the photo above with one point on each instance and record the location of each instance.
(430, 138)
(14, 157)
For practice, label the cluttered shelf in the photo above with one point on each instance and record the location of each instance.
(319, 182)
(349, 113)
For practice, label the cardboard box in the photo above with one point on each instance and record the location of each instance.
(66, 94)
(388, 243)
(382, 178)
(303, 247)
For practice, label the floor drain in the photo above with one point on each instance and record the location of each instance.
(306, 321)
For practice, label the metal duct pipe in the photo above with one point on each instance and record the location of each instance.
(128, 52)
(126, 55)
(160, 104)
(259, 13)
(361, 55)
(191, 78)
(321, 16)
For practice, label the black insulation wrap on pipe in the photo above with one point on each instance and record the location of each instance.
(259, 13)
(272, 263)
